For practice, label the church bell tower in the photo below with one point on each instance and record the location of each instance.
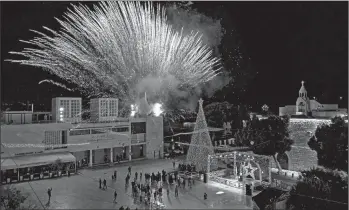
(302, 104)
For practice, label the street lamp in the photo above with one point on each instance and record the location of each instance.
(61, 113)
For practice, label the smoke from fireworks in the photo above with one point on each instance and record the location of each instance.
(120, 49)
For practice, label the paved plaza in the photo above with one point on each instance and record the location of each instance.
(82, 191)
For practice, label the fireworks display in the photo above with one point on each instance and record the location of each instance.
(120, 49)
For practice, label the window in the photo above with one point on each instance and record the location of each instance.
(65, 111)
(99, 131)
(139, 127)
(79, 132)
(124, 129)
(104, 108)
(113, 108)
(75, 108)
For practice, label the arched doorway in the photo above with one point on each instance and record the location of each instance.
(283, 161)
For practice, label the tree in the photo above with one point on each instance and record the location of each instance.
(201, 144)
(219, 112)
(267, 136)
(12, 199)
(320, 189)
(331, 144)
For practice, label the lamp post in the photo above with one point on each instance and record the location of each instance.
(61, 110)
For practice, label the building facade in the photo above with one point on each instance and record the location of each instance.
(66, 109)
(92, 143)
(306, 107)
(104, 109)
(30, 148)
(17, 117)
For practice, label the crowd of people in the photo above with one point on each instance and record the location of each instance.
(187, 167)
(149, 188)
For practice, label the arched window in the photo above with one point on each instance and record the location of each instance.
(301, 107)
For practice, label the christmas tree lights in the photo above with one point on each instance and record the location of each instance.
(201, 145)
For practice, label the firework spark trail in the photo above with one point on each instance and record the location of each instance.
(111, 49)
(55, 83)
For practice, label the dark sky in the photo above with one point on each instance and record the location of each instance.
(287, 42)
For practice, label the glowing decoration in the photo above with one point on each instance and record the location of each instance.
(249, 170)
(259, 168)
(114, 48)
(265, 107)
(200, 146)
(219, 193)
(134, 110)
(157, 109)
(61, 109)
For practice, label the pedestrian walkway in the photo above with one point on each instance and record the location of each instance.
(82, 191)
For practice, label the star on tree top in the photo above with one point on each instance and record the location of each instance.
(201, 101)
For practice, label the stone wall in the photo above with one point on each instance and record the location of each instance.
(301, 157)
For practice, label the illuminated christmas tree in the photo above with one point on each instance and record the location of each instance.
(200, 145)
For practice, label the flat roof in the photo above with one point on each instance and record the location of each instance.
(68, 98)
(17, 112)
(35, 160)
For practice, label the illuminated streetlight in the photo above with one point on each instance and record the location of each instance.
(340, 98)
(61, 109)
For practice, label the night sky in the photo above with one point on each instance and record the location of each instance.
(287, 41)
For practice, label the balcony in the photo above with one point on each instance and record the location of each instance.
(138, 138)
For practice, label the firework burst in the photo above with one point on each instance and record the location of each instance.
(112, 49)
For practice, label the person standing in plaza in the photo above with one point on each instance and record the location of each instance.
(115, 174)
(104, 184)
(115, 195)
(129, 170)
(100, 183)
(174, 164)
(49, 191)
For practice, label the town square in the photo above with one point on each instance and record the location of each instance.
(174, 105)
